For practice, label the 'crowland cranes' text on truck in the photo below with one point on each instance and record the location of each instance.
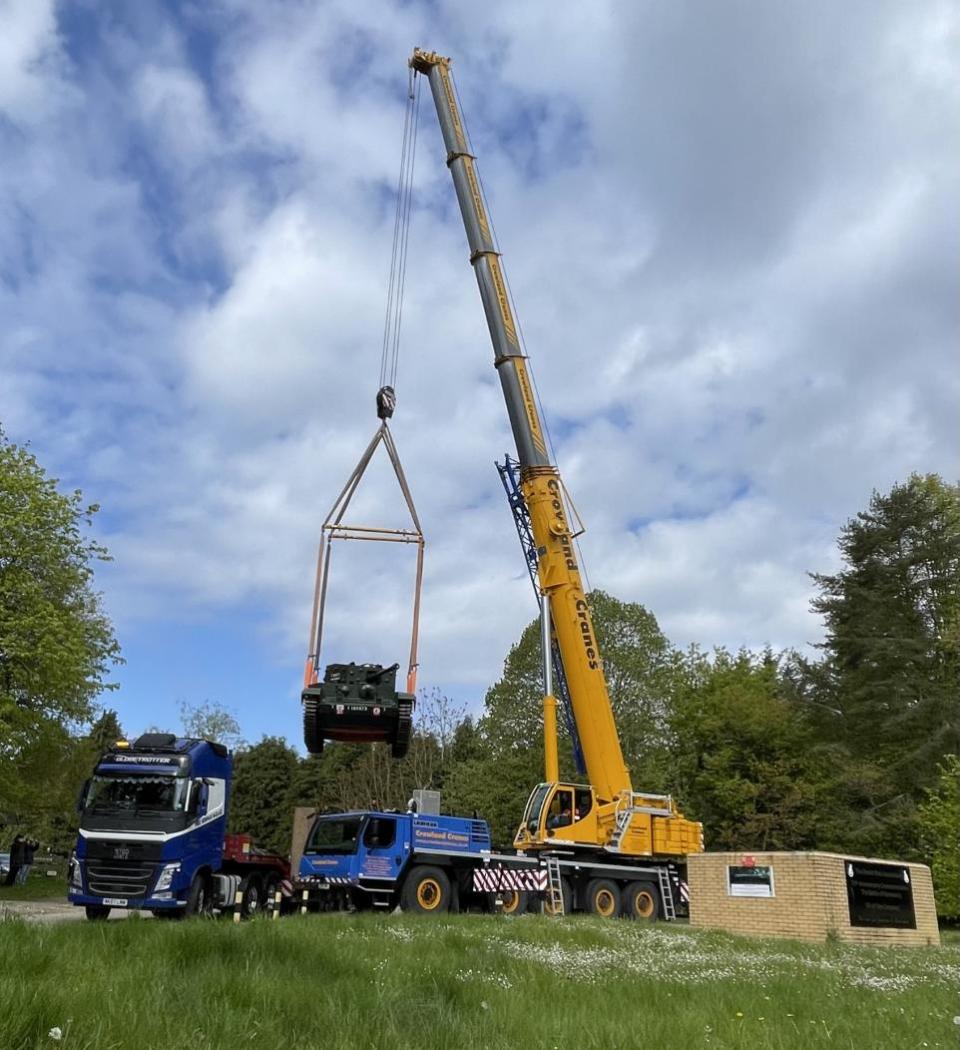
(608, 849)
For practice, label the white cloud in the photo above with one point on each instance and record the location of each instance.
(730, 242)
(29, 84)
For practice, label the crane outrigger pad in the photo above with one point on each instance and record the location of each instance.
(357, 703)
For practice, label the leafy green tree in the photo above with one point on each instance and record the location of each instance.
(638, 668)
(105, 731)
(939, 819)
(743, 758)
(210, 720)
(504, 760)
(57, 644)
(263, 793)
(892, 651)
(494, 787)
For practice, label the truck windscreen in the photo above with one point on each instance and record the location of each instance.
(136, 794)
(334, 836)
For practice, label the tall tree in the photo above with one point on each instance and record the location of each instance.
(939, 818)
(505, 760)
(638, 669)
(262, 798)
(57, 644)
(743, 757)
(210, 720)
(892, 650)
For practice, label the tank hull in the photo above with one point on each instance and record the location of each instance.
(359, 704)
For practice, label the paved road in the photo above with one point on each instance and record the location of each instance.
(50, 910)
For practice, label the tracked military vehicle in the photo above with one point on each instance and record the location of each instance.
(358, 703)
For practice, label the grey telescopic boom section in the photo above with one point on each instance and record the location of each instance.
(509, 360)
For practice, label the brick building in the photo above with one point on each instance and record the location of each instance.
(810, 896)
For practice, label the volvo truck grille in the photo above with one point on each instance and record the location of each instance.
(117, 878)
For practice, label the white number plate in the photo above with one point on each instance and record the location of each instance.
(116, 902)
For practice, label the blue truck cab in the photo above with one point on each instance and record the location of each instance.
(373, 858)
(152, 826)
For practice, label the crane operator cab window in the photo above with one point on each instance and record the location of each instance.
(560, 813)
(583, 803)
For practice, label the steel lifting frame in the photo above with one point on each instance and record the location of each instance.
(334, 528)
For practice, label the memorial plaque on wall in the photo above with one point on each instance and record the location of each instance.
(880, 895)
(749, 881)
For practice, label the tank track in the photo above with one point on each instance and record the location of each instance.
(312, 737)
(401, 742)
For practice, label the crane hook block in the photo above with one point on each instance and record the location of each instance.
(386, 402)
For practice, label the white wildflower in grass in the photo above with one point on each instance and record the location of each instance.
(56, 1033)
(499, 980)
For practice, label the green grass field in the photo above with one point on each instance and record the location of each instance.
(38, 888)
(464, 983)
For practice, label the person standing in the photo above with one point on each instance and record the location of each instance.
(16, 860)
(29, 849)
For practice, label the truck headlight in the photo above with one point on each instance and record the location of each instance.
(166, 876)
(74, 876)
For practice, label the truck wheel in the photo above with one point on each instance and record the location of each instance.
(312, 737)
(641, 901)
(270, 884)
(566, 891)
(426, 890)
(199, 902)
(401, 742)
(253, 901)
(603, 898)
(97, 912)
(515, 902)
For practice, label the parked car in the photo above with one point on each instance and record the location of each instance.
(4, 865)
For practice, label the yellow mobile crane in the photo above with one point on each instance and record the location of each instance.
(605, 824)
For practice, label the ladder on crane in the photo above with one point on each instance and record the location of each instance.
(554, 887)
(666, 895)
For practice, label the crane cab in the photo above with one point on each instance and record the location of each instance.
(559, 812)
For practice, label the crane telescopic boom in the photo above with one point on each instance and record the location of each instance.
(558, 571)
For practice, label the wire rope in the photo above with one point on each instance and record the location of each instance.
(390, 349)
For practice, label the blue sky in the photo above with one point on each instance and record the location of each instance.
(730, 231)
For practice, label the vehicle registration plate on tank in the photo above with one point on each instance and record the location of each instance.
(116, 902)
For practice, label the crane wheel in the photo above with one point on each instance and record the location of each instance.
(426, 891)
(312, 737)
(641, 901)
(514, 902)
(401, 742)
(603, 898)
